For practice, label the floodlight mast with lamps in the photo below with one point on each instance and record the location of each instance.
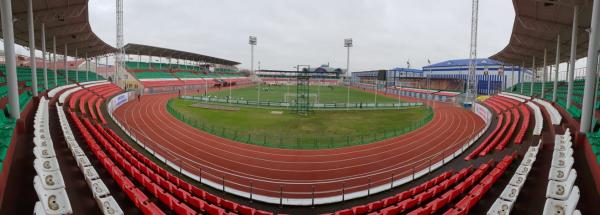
(348, 44)
(252, 42)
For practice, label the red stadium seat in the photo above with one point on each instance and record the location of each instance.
(214, 210)
(167, 199)
(196, 202)
(182, 209)
(392, 210)
(390, 201)
(407, 204)
(245, 210)
(421, 211)
(149, 208)
(229, 205)
(210, 198)
(361, 209)
(374, 206)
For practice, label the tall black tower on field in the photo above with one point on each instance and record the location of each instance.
(303, 92)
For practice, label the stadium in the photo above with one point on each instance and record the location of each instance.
(90, 127)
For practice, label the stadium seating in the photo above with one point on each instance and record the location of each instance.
(171, 191)
(504, 203)
(509, 117)
(102, 195)
(464, 205)
(562, 194)
(539, 118)
(48, 183)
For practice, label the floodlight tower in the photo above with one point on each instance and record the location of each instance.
(348, 45)
(120, 51)
(252, 42)
(472, 76)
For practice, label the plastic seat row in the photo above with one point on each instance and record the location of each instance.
(562, 194)
(427, 195)
(539, 119)
(506, 95)
(48, 183)
(504, 203)
(524, 125)
(459, 189)
(501, 134)
(489, 138)
(464, 205)
(517, 95)
(105, 201)
(406, 200)
(555, 116)
(177, 194)
(132, 191)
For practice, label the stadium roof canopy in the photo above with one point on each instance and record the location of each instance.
(464, 63)
(536, 26)
(66, 19)
(147, 50)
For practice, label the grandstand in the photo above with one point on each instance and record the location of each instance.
(78, 137)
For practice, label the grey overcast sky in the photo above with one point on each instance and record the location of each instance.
(386, 33)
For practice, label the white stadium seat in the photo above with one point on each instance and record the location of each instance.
(99, 188)
(517, 180)
(105, 201)
(563, 163)
(52, 201)
(561, 189)
(510, 193)
(83, 161)
(539, 118)
(108, 205)
(555, 116)
(500, 207)
(562, 207)
(43, 152)
(45, 164)
(559, 174)
(51, 180)
(523, 170)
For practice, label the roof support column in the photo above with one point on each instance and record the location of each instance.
(66, 66)
(589, 92)
(54, 60)
(96, 66)
(533, 74)
(544, 75)
(150, 62)
(76, 67)
(159, 62)
(139, 60)
(44, 56)
(32, 48)
(87, 67)
(522, 76)
(107, 72)
(512, 76)
(556, 69)
(571, 68)
(10, 57)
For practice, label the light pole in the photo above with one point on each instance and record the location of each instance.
(252, 42)
(348, 45)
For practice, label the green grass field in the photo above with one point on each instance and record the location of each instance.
(325, 94)
(322, 129)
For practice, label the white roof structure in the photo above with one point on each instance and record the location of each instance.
(536, 25)
(68, 20)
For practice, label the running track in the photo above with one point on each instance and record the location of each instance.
(267, 171)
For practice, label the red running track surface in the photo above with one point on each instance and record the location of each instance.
(265, 171)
